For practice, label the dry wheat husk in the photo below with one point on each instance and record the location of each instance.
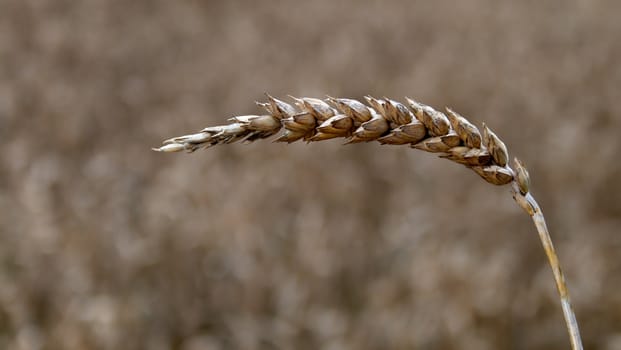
(383, 120)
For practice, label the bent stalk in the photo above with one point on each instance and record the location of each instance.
(529, 204)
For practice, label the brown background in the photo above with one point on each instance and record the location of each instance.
(107, 245)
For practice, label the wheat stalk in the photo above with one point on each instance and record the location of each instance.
(387, 121)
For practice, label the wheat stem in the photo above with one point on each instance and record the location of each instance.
(530, 205)
(449, 135)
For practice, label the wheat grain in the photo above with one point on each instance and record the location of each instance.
(383, 120)
(387, 121)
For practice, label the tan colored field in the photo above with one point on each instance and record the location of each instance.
(107, 245)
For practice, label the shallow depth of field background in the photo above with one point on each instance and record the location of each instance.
(107, 245)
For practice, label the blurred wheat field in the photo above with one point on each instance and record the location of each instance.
(107, 245)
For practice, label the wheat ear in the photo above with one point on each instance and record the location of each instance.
(390, 122)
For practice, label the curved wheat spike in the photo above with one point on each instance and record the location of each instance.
(386, 121)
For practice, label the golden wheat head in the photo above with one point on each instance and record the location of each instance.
(383, 120)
